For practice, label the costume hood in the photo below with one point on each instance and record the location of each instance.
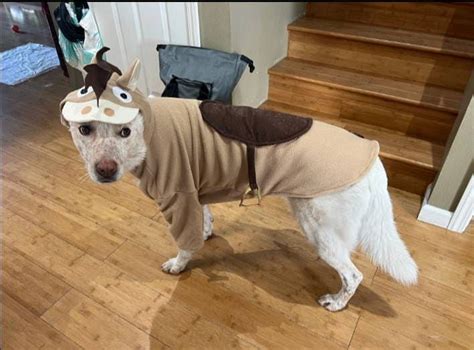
(107, 96)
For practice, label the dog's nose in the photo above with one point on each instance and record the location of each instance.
(106, 168)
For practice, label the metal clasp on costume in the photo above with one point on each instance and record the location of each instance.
(253, 197)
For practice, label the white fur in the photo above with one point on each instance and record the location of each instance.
(208, 220)
(178, 264)
(360, 215)
(378, 236)
(335, 224)
(104, 142)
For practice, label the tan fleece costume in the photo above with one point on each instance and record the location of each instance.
(188, 163)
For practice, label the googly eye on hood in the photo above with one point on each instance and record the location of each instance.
(82, 92)
(121, 94)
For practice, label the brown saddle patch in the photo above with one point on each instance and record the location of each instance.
(254, 127)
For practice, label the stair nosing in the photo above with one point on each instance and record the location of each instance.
(400, 159)
(271, 71)
(463, 54)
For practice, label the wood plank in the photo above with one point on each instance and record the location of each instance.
(369, 336)
(377, 59)
(78, 272)
(406, 120)
(125, 193)
(80, 232)
(51, 253)
(385, 35)
(413, 121)
(231, 307)
(448, 271)
(426, 325)
(408, 149)
(434, 293)
(30, 285)
(22, 330)
(60, 192)
(406, 208)
(407, 177)
(157, 314)
(93, 327)
(439, 18)
(395, 90)
(146, 309)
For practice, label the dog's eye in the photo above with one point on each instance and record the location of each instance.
(122, 95)
(125, 132)
(84, 91)
(85, 130)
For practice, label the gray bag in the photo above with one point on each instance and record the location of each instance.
(199, 73)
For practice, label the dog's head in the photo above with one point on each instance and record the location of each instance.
(106, 120)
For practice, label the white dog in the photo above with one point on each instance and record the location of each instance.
(335, 223)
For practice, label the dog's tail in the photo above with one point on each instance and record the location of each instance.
(379, 237)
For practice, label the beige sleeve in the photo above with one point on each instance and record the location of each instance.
(185, 217)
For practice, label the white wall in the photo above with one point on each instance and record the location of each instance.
(259, 31)
(255, 29)
(133, 29)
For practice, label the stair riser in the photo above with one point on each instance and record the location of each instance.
(408, 177)
(414, 121)
(395, 62)
(449, 19)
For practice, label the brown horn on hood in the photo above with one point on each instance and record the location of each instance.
(99, 73)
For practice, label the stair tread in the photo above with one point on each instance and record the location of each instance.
(385, 35)
(365, 83)
(393, 145)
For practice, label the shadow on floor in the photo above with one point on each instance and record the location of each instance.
(283, 273)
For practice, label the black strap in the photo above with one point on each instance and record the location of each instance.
(171, 89)
(204, 93)
(251, 168)
(249, 62)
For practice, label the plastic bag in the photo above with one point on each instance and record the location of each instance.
(80, 53)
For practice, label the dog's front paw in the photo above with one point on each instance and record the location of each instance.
(207, 233)
(208, 220)
(331, 302)
(172, 266)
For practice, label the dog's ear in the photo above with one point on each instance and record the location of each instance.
(129, 79)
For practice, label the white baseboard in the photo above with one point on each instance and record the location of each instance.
(456, 221)
(465, 209)
(433, 215)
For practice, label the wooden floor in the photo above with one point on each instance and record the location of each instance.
(81, 264)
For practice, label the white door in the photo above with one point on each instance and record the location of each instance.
(133, 29)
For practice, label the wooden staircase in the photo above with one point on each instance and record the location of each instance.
(393, 72)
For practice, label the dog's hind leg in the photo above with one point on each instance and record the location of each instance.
(350, 277)
(208, 220)
(322, 230)
(332, 223)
